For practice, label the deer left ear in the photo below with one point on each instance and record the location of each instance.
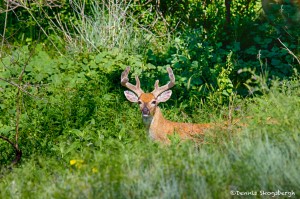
(164, 96)
(131, 96)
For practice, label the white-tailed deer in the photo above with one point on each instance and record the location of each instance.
(158, 127)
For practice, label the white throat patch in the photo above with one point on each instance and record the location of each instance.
(147, 120)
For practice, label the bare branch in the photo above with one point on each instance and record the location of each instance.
(16, 85)
(289, 51)
(4, 30)
(7, 140)
(16, 148)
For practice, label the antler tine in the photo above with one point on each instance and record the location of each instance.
(125, 82)
(158, 90)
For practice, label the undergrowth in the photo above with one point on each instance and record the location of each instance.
(90, 143)
(62, 105)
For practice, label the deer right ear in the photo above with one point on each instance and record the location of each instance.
(131, 96)
(164, 96)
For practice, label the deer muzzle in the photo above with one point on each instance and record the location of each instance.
(145, 111)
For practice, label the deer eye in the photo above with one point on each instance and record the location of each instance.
(153, 102)
(139, 102)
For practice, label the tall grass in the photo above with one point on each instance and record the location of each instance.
(91, 26)
(262, 156)
(108, 26)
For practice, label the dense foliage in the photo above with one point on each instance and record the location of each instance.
(62, 105)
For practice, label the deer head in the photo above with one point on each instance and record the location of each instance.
(147, 101)
(158, 127)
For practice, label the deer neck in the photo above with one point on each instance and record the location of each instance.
(148, 120)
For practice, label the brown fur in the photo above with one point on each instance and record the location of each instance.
(146, 97)
(160, 128)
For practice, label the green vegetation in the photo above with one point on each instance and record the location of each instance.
(63, 112)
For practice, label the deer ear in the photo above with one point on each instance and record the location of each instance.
(131, 96)
(164, 96)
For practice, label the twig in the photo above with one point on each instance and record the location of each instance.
(16, 85)
(4, 30)
(23, 5)
(18, 108)
(16, 147)
(289, 51)
(18, 152)
(7, 140)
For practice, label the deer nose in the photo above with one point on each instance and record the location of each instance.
(145, 111)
